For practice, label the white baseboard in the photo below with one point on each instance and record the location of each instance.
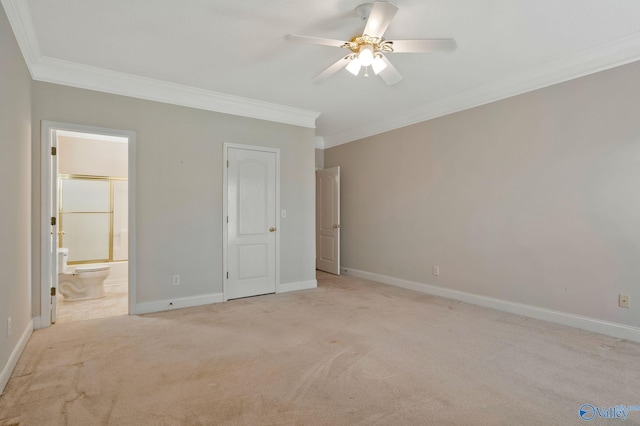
(301, 285)
(182, 302)
(188, 302)
(15, 356)
(621, 331)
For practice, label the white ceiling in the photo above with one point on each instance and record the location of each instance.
(237, 47)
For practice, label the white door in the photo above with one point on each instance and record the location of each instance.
(251, 227)
(53, 246)
(328, 220)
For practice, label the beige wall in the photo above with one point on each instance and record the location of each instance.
(15, 175)
(92, 157)
(319, 159)
(533, 199)
(179, 186)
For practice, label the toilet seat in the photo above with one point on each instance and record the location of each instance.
(93, 268)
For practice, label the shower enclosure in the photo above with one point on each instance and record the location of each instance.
(93, 218)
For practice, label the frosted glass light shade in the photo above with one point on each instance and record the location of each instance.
(378, 65)
(366, 55)
(354, 66)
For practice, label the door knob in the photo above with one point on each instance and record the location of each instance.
(336, 226)
(272, 229)
(60, 232)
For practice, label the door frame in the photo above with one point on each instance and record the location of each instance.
(225, 210)
(46, 267)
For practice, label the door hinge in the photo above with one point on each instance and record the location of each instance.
(53, 291)
(53, 150)
(227, 275)
(53, 221)
(227, 219)
(227, 164)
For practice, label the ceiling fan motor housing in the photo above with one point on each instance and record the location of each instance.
(378, 44)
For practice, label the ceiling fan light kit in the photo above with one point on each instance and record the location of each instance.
(365, 56)
(354, 66)
(367, 52)
(378, 65)
(368, 49)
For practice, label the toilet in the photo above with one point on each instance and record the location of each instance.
(82, 282)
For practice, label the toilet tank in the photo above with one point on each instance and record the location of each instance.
(63, 255)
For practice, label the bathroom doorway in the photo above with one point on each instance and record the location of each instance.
(87, 256)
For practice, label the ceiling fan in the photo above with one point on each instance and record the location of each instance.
(369, 49)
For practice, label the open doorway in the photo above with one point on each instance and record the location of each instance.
(88, 204)
(328, 220)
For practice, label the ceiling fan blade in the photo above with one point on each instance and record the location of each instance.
(314, 40)
(337, 66)
(381, 15)
(390, 74)
(425, 45)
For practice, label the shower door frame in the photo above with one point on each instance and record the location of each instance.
(111, 180)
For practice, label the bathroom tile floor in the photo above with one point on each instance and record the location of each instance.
(115, 302)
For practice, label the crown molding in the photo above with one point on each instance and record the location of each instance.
(67, 73)
(610, 55)
(52, 70)
(20, 19)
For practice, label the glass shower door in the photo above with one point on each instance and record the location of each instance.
(85, 218)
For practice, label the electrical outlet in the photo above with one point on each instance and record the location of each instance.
(623, 301)
(176, 280)
(436, 270)
(8, 326)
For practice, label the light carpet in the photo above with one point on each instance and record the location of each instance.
(351, 352)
